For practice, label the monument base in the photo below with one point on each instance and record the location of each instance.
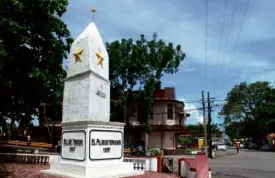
(100, 171)
(91, 149)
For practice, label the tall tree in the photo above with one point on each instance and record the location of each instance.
(216, 131)
(251, 105)
(234, 130)
(139, 65)
(33, 43)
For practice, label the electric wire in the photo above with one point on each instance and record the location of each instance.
(221, 38)
(238, 37)
(227, 40)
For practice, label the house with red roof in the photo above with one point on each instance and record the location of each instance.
(168, 123)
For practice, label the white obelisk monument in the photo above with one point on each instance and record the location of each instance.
(92, 146)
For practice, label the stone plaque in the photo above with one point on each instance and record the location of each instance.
(105, 144)
(73, 145)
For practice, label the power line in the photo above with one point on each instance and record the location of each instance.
(220, 43)
(196, 101)
(229, 32)
(187, 110)
(197, 109)
(237, 41)
(206, 33)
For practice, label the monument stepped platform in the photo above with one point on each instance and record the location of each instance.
(32, 171)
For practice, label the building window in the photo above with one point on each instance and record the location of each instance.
(170, 111)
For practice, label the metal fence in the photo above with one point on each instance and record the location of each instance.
(139, 163)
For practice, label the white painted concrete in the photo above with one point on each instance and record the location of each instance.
(87, 87)
(91, 42)
(91, 145)
(154, 165)
(184, 169)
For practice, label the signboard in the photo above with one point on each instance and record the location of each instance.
(73, 145)
(105, 144)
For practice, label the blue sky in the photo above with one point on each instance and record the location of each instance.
(183, 22)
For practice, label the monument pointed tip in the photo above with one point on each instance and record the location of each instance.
(91, 29)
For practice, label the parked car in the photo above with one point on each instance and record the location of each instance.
(253, 146)
(241, 146)
(266, 147)
(221, 146)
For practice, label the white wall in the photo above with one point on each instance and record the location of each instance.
(170, 122)
(168, 140)
(154, 140)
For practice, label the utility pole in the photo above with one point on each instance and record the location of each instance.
(204, 120)
(209, 126)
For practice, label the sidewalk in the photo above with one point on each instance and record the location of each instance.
(32, 171)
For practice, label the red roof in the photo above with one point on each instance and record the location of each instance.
(159, 93)
(166, 93)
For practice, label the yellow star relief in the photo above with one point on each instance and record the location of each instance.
(99, 58)
(77, 55)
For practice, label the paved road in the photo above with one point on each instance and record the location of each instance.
(247, 164)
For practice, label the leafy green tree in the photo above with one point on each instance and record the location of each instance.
(139, 65)
(216, 131)
(195, 127)
(253, 107)
(234, 130)
(184, 141)
(33, 43)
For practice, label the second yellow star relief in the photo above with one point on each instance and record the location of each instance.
(99, 58)
(77, 55)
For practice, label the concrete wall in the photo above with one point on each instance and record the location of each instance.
(168, 140)
(154, 140)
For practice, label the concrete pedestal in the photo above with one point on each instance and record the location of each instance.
(92, 149)
(99, 171)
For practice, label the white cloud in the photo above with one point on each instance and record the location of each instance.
(195, 114)
(263, 75)
(183, 22)
(180, 25)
